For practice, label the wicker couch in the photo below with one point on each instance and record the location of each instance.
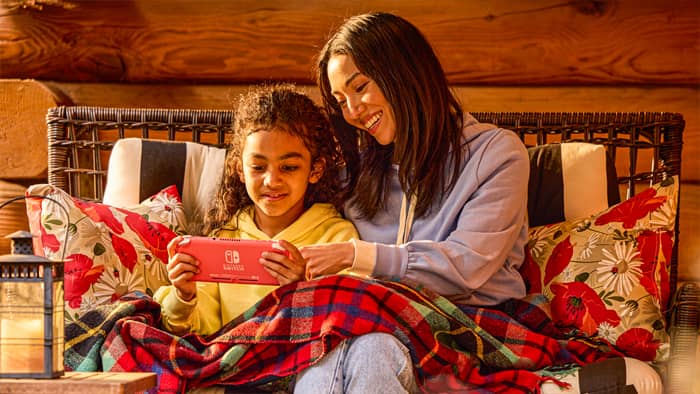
(646, 148)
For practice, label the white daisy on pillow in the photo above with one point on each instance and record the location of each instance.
(167, 206)
(116, 282)
(620, 271)
(608, 332)
(92, 237)
(542, 237)
(665, 216)
(589, 245)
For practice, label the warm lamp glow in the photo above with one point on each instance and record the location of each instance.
(31, 313)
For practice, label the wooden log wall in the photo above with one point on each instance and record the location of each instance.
(501, 55)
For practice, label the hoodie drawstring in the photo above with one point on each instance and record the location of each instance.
(406, 219)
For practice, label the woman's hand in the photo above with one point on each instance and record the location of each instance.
(327, 259)
(285, 269)
(181, 267)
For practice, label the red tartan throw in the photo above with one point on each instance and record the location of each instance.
(481, 350)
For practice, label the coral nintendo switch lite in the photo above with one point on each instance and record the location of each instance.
(230, 260)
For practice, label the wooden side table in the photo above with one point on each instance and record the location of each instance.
(83, 383)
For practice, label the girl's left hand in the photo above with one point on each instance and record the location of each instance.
(285, 269)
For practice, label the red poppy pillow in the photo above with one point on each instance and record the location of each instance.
(110, 251)
(607, 275)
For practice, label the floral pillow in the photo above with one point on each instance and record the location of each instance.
(110, 251)
(607, 275)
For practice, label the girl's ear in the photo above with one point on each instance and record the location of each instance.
(239, 172)
(317, 170)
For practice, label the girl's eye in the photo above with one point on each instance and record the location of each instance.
(362, 87)
(289, 168)
(257, 168)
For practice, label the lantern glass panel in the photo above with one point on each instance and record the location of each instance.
(31, 321)
(21, 327)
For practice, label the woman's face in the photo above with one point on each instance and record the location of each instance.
(363, 103)
(277, 170)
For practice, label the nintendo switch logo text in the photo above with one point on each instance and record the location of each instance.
(232, 257)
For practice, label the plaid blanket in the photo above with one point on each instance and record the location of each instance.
(475, 349)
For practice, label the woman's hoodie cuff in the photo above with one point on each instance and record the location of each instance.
(365, 257)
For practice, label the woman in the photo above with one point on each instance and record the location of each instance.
(438, 198)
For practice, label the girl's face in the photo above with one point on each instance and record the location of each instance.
(363, 103)
(276, 170)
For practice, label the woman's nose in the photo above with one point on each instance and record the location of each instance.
(355, 108)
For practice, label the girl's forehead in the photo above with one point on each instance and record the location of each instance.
(269, 129)
(274, 142)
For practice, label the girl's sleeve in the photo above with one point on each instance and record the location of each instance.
(201, 315)
(342, 231)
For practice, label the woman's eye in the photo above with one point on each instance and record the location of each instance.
(288, 168)
(362, 87)
(257, 168)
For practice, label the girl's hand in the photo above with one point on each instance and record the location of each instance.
(285, 269)
(181, 267)
(327, 259)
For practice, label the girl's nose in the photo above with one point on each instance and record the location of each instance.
(272, 177)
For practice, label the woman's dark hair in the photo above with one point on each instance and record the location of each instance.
(427, 147)
(280, 107)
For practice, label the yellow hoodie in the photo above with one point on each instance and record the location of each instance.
(218, 303)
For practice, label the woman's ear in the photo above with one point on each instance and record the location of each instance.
(317, 170)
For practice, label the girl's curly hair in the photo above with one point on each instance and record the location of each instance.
(281, 107)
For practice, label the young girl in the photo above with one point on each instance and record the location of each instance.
(280, 182)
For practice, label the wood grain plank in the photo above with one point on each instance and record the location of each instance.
(83, 383)
(503, 42)
(23, 106)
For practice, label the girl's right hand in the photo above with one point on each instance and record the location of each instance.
(181, 267)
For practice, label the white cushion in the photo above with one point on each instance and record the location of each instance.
(137, 167)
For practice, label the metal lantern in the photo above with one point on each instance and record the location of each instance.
(31, 312)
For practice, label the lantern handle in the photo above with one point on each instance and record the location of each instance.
(60, 205)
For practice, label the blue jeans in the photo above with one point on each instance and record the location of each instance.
(371, 363)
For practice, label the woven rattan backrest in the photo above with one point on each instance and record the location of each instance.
(646, 146)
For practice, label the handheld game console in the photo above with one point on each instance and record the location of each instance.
(230, 260)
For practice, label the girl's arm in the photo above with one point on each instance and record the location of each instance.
(188, 306)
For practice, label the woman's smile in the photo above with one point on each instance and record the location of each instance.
(372, 124)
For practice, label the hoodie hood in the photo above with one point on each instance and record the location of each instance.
(472, 127)
(318, 216)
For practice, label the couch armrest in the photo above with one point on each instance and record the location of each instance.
(685, 317)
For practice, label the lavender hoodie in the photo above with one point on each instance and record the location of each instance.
(470, 246)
